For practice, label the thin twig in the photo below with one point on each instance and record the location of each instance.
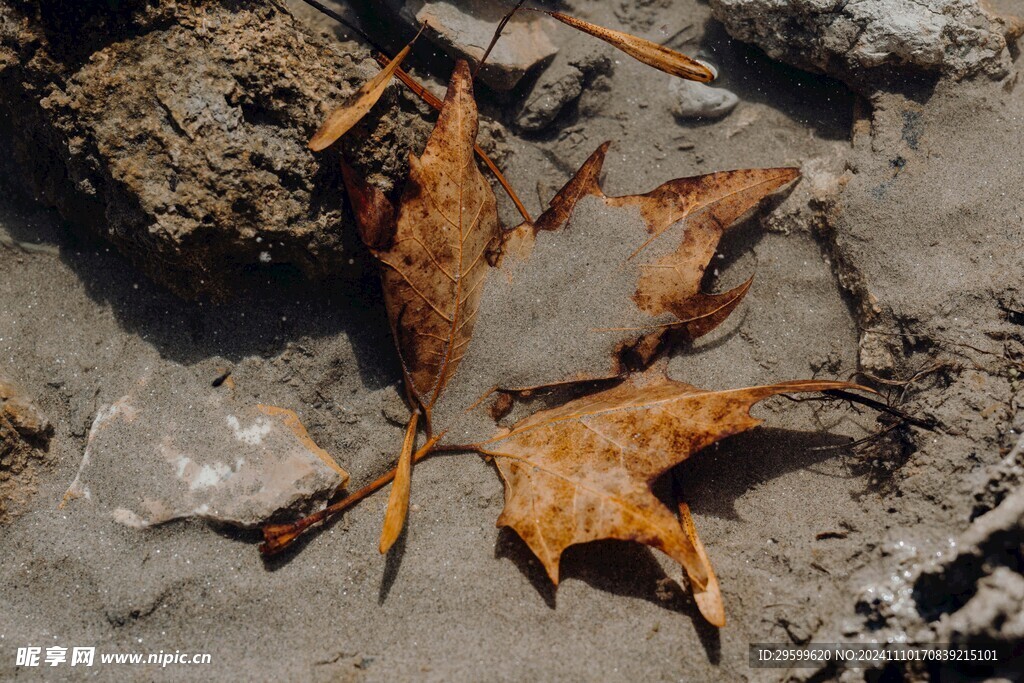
(881, 407)
(327, 11)
(277, 537)
(497, 34)
(930, 425)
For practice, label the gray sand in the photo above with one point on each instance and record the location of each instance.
(796, 535)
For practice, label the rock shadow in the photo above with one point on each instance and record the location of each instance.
(270, 308)
(822, 103)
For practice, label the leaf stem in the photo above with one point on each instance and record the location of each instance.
(881, 407)
(277, 537)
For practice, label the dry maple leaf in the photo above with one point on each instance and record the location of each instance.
(597, 280)
(582, 471)
(594, 280)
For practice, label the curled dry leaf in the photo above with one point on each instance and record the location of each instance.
(583, 471)
(398, 500)
(646, 51)
(341, 120)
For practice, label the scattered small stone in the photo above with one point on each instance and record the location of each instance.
(174, 448)
(693, 100)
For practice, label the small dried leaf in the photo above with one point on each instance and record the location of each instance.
(583, 471)
(646, 51)
(709, 600)
(398, 500)
(341, 120)
(374, 213)
(434, 262)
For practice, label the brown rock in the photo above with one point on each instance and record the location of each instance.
(178, 131)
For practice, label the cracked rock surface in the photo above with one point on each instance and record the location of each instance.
(852, 39)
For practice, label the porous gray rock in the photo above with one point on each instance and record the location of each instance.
(851, 40)
(178, 131)
(174, 448)
(561, 84)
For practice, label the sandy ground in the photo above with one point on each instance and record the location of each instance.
(795, 532)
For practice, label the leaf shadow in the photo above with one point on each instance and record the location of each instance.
(392, 563)
(617, 567)
(713, 479)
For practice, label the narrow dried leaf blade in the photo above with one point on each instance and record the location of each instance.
(582, 471)
(374, 213)
(341, 120)
(709, 600)
(643, 50)
(398, 500)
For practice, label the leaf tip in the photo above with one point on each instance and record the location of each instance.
(709, 602)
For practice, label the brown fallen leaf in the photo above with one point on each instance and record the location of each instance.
(582, 471)
(341, 120)
(550, 320)
(434, 259)
(646, 51)
(596, 284)
(398, 500)
(436, 263)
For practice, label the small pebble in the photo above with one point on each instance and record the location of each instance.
(691, 100)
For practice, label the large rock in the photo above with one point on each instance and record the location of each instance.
(174, 448)
(850, 40)
(178, 131)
